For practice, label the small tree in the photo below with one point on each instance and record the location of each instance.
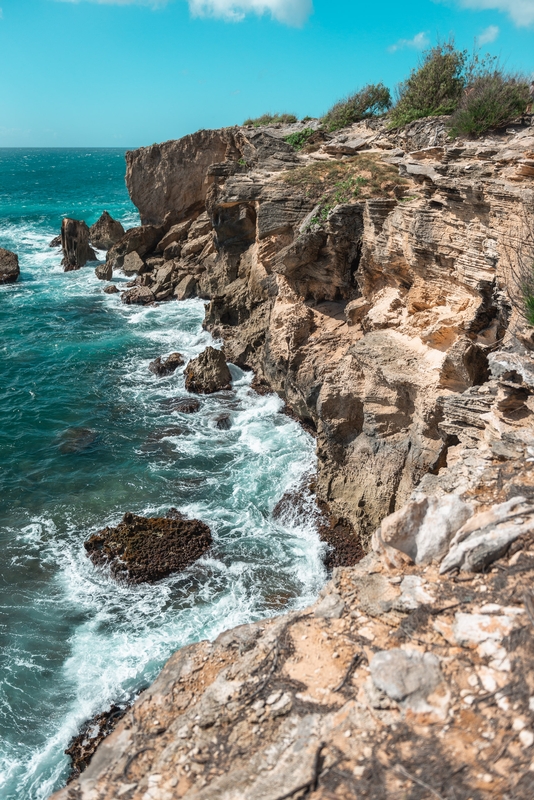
(434, 88)
(370, 101)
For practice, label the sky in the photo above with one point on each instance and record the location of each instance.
(126, 73)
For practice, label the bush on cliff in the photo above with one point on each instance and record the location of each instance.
(271, 119)
(435, 87)
(299, 139)
(370, 101)
(490, 101)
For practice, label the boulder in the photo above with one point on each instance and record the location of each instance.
(223, 422)
(104, 272)
(186, 289)
(142, 240)
(177, 233)
(105, 232)
(406, 676)
(166, 367)
(9, 266)
(423, 529)
(75, 244)
(141, 549)
(111, 289)
(138, 295)
(132, 263)
(208, 373)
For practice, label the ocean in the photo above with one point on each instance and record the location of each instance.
(86, 434)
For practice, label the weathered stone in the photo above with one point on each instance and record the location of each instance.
(223, 422)
(111, 289)
(186, 288)
(132, 263)
(142, 240)
(208, 373)
(142, 549)
(138, 295)
(424, 529)
(104, 272)
(177, 233)
(166, 366)
(9, 266)
(183, 405)
(75, 244)
(56, 241)
(406, 676)
(105, 232)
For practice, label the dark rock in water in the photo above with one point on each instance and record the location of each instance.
(224, 422)
(82, 748)
(173, 513)
(142, 549)
(9, 266)
(75, 244)
(105, 232)
(154, 441)
(56, 241)
(345, 547)
(77, 440)
(208, 373)
(166, 367)
(139, 295)
(104, 272)
(184, 405)
(111, 289)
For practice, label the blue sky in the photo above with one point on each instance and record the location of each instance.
(132, 72)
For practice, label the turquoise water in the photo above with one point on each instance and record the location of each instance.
(71, 640)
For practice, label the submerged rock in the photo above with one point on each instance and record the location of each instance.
(223, 423)
(184, 405)
(9, 266)
(166, 367)
(75, 244)
(77, 440)
(208, 373)
(141, 549)
(104, 272)
(105, 232)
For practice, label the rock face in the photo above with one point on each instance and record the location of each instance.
(9, 266)
(105, 232)
(390, 325)
(166, 366)
(75, 244)
(208, 373)
(143, 549)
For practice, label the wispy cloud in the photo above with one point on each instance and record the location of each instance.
(290, 12)
(488, 35)
(419, 42)
(521, 11)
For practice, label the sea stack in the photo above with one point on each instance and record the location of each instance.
(9, 266)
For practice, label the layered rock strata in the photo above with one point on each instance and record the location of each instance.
(75, 244)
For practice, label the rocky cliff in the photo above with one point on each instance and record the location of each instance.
(371, 280)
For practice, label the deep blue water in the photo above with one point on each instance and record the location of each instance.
(72, 641)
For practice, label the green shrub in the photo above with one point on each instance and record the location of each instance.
(271, 119)
(299, 139)
(434, 88)
(491, 101)
(373, 99)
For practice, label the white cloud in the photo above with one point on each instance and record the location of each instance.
(488, 35)
(291, 12)
(521, 11)
(419, 42)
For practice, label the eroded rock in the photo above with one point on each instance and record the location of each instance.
(9, 266)
(105, 232)
(208, 373)
(167, 366)
(75, 244)
(142, 549)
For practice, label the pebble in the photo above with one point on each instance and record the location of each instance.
(526, 738)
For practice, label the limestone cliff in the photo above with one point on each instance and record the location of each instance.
(370, 279)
